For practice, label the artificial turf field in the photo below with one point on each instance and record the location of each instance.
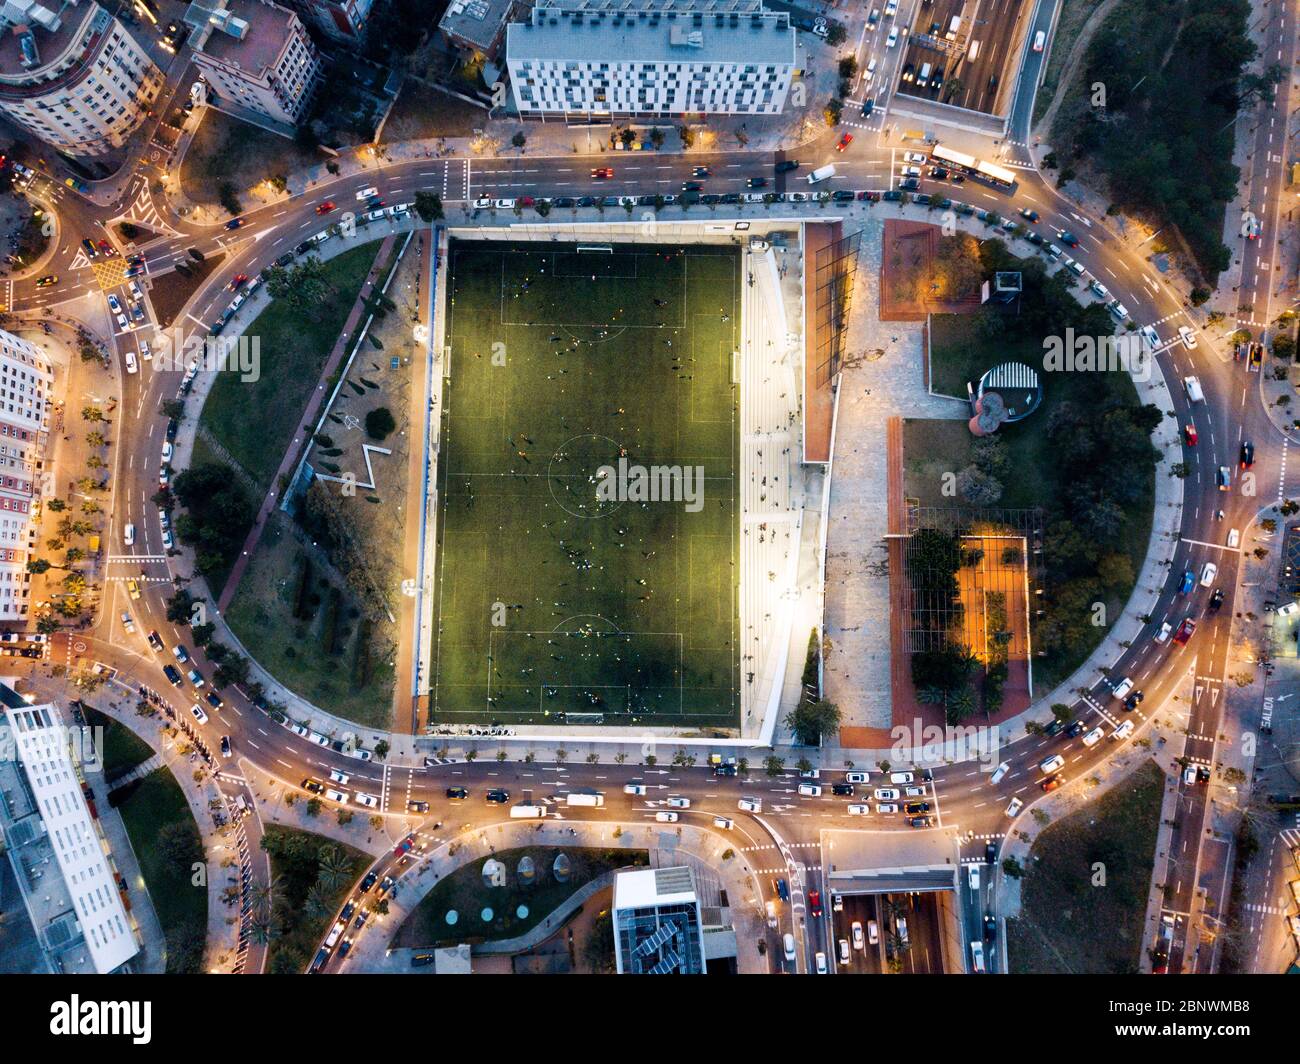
(553, 605)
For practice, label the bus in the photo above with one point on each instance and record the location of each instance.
(996, 175)
(954, 160)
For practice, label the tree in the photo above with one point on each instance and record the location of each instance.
(92, 413)
(335, 868)
(519, 140)
(37, 566)
(657, 137)
(179, 845)
(836, 34)
(848, 67)
(380, 423)
(302, 286)
(56, 505)
(228, 196)
(381, 749)
(47, 624)
(687, 136)
(833, 112)
(219, 514)
(811, 720)
(202, 633)
(428, 205)
(1283, 346)
(172, 409)
(313, 807)
(773, 765)
(977, 487)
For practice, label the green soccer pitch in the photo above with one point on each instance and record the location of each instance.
(565, 594)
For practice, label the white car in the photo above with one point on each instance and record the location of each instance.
(723, 822)
(336, 796)
(1014, 806)
(666, 818)
(1051, 764)
(1150, 337)
(811, 774)
(1118, 311)
(368, 800)
(167, 541)
(810, 790)
(1000, 772)
(199, 715)
(887, 807)
(145, 353)
(891, 8)
(861, 809)
(1166, 630)
(1189, 775)
(504, 204)
(127, 623)
(902, 777)
(1123, 731)
(856, 777)
(750, 805)
(973, 876)
(844, 950)
(913, 792)
(1040, 40)
(820, 958)
(366, 193)
(886, 794)
(1093, 737)
(128, 535)
(910, 171)
(1208, 572)
(1188, 337)
(167, 451)
(679, 803)
(339, 777)
(122, 323)
(132, 366)
(913, 157)
(892, 39)
(1122, 688)
(873, 932)
(1234, 538)
(114, 304)
(859, 939)
(634, 788)
(871, 72)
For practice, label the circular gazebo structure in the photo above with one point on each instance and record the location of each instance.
(1008, 393)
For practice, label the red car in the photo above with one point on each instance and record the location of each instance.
(1052, 783)
(237, 281)
(1189, 434)
(1185, 631)
(845, 141)
(405, 845)
(326, 207)
(815, 904)
(105, 247)
(602, 172)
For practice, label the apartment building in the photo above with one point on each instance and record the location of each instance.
(255, 56)
(340, 20)
(72, 76)
(654, 57)
(61, 862)
(25, 380)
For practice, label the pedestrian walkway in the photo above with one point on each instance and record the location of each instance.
(143, 769)
(309, 416)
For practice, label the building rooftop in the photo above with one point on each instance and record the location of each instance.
(652, 35)
(51, 28)
(648, 887)
(249, 34)
(475, 21)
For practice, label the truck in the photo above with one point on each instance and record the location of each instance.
(821, 173)
(526, 810)
(590, 798)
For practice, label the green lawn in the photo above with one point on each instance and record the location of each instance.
(123, 749)
(551, 600)
(256, 421)
(151, 807)
(291, 647)
(1068, 922)
(465, 892)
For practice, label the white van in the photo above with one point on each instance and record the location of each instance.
(901, 777)
(588, 798)
(810, 790)
(1122, 688)
(821, 174)
(787, 941)
(973, 875)
(128, 535)
(1193, 388)
(527, 811)
(751, 805)
(973, 52)
(923, 76)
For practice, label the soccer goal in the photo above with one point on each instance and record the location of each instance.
(599, 249)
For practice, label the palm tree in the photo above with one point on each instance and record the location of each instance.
(317, 905)
(263, 894)
(333, 868)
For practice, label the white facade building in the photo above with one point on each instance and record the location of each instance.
(25, 381)
(58, 818)
(651, 58)
(72, 75)
(256, 56)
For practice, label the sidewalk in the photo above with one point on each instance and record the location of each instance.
(309, 416)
